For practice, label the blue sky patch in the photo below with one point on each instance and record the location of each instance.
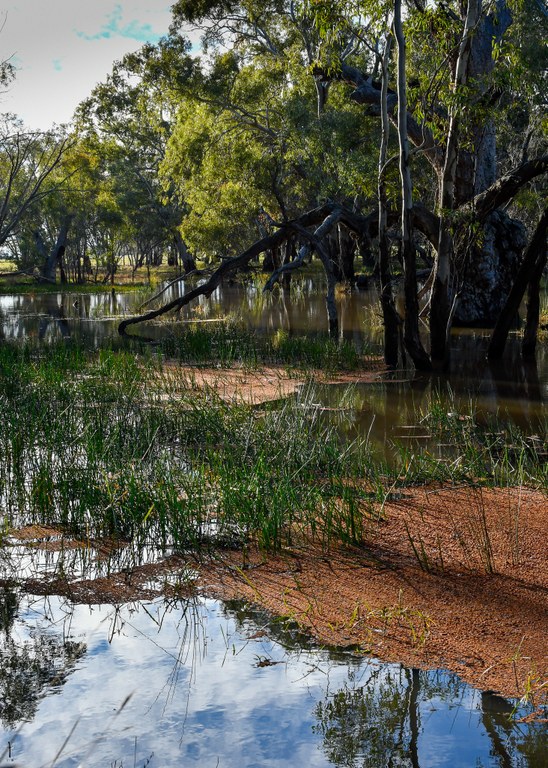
(134, 30)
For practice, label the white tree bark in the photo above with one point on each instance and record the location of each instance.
(412, 338)
(442, 306)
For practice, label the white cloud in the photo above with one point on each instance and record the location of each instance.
(62, 48)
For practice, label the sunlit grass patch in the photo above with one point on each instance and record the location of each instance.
(118, 444)
(229, 342)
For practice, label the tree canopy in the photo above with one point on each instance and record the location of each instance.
(203, 157)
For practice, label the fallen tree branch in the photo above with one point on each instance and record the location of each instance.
(15, 274)
(230, 266)
(35, 276)
(181, 278)
(313, 242)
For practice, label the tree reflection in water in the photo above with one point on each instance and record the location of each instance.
(31, 665)
(201, 694)
(379, 722)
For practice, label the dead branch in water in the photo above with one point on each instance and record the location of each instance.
(326, 215)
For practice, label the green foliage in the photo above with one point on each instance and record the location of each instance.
(30, 163)
(118, 444)
(174, 144)
(253, 142)
(192, 10)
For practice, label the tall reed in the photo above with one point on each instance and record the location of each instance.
(114, 443)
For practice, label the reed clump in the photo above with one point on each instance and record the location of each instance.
(231, 342)
(107, 444)
(100, 444)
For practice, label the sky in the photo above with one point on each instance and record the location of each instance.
(62, 48)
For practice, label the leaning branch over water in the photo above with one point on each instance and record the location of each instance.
(180, 279)
(232, 265)
(313, 241)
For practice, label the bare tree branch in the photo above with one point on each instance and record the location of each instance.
(505, 188)
(232, 265)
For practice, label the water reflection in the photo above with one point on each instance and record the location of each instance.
(50, 317)
(194, 682)
(394, 414)
(512, 387)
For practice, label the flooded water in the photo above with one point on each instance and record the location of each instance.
(197, 682)
(511, 388)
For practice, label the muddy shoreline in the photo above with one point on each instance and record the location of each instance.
(422, 590)
(451, 578)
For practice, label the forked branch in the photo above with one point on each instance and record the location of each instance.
(232, 265)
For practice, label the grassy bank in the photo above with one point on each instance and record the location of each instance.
(115, 443)
(231, 342)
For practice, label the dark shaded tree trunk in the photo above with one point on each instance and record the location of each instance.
(183, 254)
(486, 270)
(529, 273)
(61, 264)
(529, 343)
(341, 247)
(347, 250)
(52, 259)
(489, 270)
(289, 254)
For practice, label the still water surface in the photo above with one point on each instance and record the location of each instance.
(202, 683)
(510, 389)
(196, 682)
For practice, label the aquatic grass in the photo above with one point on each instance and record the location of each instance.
(117, 444)
(29, 286)
(230, 342)
(474, 449)
(92, 452)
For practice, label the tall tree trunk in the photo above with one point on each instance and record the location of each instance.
(530, 274)
(412, 339)
(391, 319)
(322, 90)
(487, 274)
(323, 251)
(346, 247)
(414, 716)
(443, 293)
(61, 265)
(185, 257)
(529, 342)
(50, 265)
(289, 255)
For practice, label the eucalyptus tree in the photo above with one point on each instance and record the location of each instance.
(48, 235)
(465, 75)
(127, 121)
(462, 68)
(270, 115)
(248, 149)
(31, 174)
(28, 162)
